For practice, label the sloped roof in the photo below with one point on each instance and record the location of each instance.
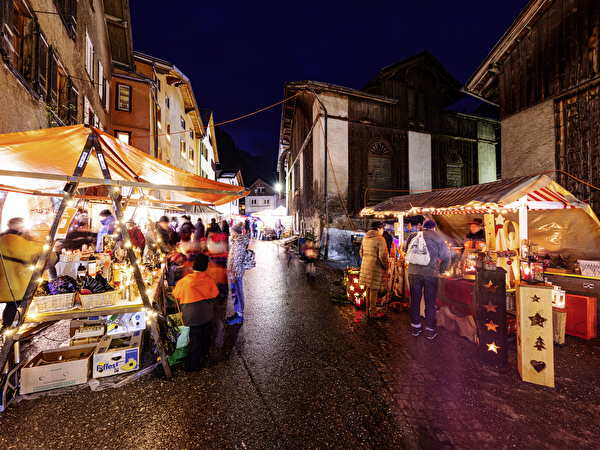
(45, 159)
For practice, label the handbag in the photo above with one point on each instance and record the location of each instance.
(249, 261)
(417, 252)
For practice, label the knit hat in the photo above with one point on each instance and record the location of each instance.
(429, 224)
(201, 262)
(237, 229)
(164, 219)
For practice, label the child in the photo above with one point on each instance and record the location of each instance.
(195, 293)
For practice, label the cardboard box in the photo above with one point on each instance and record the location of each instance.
(117, 353)
(52, 369)
(126, 323)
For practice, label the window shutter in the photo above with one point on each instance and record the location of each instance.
(6, 25)
(73, 103)
(42, 64)
(106, 94)
(86, 111)
(89, 55)
(100, 81)
(72, 18)
(53, 78)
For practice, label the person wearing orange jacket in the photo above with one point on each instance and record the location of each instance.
(196, 293)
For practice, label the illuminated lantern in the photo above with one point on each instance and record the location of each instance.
(558, 297)
(532, 271)
(354, 290)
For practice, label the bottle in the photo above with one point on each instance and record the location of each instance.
(92, 266)
(81, 270)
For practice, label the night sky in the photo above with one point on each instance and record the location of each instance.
(239, 54)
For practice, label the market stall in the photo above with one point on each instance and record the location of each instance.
(271, 218)
(123, 282)
(530, 223)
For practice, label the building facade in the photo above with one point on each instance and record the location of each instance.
(544, 74)
(56, 64)
(343, 149)
(234, 178)
(261, 197)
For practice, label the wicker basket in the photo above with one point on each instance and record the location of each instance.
(55, 302)
(100, 300)
(589, 268)
(69, 257)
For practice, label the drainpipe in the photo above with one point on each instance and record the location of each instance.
(324, 173)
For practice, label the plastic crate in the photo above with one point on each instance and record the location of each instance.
(99, 300)
(589, 268)
(55, 302)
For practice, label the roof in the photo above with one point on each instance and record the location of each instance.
(426, 61)
(27, 169)
(485, 82)
(541, 192)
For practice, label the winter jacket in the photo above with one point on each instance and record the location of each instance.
(164, 237)
(235, 259)
(195, 293)
(137, 238)
(186, 228)
(108, 227)
(199, 231)
(374, 254)
(439, 254)
(18, 254)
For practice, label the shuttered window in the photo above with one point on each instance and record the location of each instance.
(89, 55)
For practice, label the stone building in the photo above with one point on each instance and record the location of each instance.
(56, 64)
(342, 149)
(544, 74)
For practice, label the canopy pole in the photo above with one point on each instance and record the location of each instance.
(523, 227)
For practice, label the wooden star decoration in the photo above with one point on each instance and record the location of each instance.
(537, 320)
(492, 326)
(539, 344)
(490, 286)
(535, 298)
(492, 347)
(500, 220)
(490, 307)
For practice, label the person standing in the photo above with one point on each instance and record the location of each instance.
(186, 226)
(375, 260)
(235, 271)
(475, 238)
(161, 231)
(199, 230)
(196, 292)
(423, 280)
(18, 254)
(135, 235)
(108, 222)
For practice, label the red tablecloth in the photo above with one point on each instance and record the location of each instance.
(458, 289)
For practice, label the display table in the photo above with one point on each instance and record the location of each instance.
(458, 294)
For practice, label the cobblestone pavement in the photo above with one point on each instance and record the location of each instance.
(305, 372)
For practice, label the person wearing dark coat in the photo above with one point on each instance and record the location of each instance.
(186, 227)
(375, 260)
(161, 229)
(199, 230)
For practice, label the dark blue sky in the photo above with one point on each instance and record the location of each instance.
(239, 54)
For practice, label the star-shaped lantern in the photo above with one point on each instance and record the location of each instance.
(537, 320)
(490, 307)
(492, 347)
(492, 326)
(491, 287)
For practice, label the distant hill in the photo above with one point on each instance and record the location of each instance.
(252, 167)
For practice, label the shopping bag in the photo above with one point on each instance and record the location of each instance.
(417, 252)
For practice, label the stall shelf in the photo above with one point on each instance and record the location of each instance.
(65, 147)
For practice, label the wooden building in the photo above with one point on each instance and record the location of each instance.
(544, 75)
(342, 149)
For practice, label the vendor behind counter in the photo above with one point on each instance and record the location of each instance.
(475, 238)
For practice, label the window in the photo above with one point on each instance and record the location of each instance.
(123, 97)
(89, 118)
(67, 10)
(123, 136)
(100, 80)
(158, 117)
(253, 201)
(168, 131)
(89, 55)
(266, 201)
(192, 134)
(168, 160)
(158, 84)
(182, 147)
(159, 153)
(167, 102)
(182, 123)
(260, 190)
(192, 157)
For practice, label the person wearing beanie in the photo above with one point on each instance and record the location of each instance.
(235, 271)
(196, 293)
(108, 222)
(18, 254)
(375, 259)
(423, 279)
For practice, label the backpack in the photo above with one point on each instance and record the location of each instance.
(249, 260)
(417, 252)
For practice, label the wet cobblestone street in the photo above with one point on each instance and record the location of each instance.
(305, 372)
